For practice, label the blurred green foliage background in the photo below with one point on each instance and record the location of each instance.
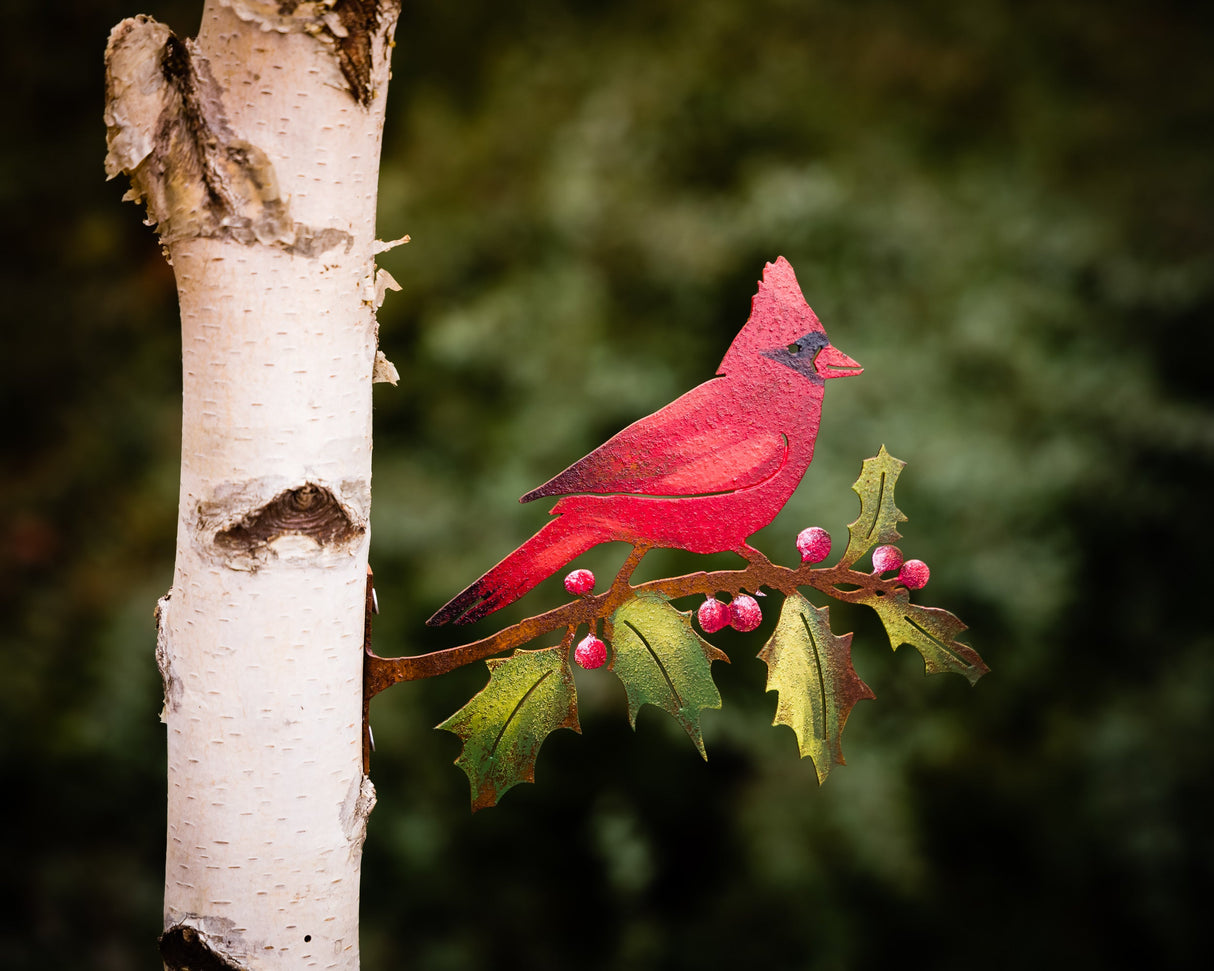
(1002, 210)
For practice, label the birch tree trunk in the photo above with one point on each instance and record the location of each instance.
(256, 147)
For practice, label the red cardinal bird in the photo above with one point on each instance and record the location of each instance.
(701, 474)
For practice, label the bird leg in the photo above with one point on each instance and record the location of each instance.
(630, 565)
(753, 556)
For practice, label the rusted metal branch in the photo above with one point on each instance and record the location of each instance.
(839, 582)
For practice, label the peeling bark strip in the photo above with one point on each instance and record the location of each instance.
(361, 21)
(166, 129)
(164, 659)
(351, 26)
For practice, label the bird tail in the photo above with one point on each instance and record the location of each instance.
(537, 559)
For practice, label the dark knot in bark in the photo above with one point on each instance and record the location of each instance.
(311, 510)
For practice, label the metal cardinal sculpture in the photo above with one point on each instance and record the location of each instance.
(701, 474)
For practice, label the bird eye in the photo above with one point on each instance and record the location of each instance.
(793, 348)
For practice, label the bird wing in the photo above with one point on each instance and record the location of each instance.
(700, 444)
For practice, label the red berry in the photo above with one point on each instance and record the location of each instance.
(886, 558)
(590, 652)
(813, 544)
(744, 613)
(713, 615)
(914, 574)
(579, 582)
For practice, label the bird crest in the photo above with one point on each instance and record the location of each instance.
(779, 315)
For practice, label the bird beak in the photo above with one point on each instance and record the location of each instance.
(833, 363)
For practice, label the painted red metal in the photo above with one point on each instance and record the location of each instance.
(701, 474)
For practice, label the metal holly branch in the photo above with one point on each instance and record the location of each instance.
(702, 474)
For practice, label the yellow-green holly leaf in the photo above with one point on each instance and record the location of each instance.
(529, 695)
(662, 661)
(879, 517)
(929, 630)
(811, 671)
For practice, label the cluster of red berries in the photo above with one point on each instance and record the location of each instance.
(814, 546)
(590, 652)
(912, 574)
(741, 613)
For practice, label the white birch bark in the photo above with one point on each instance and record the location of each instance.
(257, 150)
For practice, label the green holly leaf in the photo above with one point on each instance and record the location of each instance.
(879, 517)
(811, 671)
(929, 630)
(662, 661)
(530, 694)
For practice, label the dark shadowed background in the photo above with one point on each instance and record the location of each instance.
(1002, 210)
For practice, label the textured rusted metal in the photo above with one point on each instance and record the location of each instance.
(839, 582)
